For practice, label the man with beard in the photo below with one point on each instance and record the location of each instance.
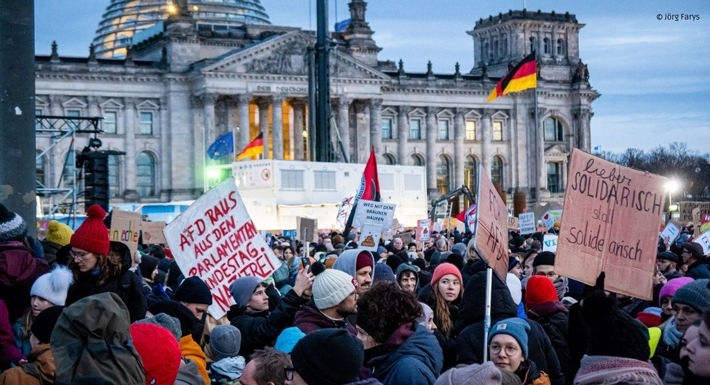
(334, 299)
(667, 263)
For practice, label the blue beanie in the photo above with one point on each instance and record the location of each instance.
(515, 327)
(243, 288)
(288, 339)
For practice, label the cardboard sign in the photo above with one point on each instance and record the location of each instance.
(153, 233)
(549, 243)
(696, 222)
(125, 228)
(686, 209)
(704, 241)
(216, 240)
(513, 224)
(551, 217)
(611, 225)
(406, 238)
(526, 221)
(307, 229)
(670, 233)
(491, 235)
(704, 223)
(344, 211)
(373, 218)
(423, 230)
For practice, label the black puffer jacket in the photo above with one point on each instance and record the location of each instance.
(470, 340)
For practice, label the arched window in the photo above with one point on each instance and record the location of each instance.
(560, 47)
(470, 173)
(69, 167)
(416, 160)
(114, 188)
(443, 175)
(553, 177)
(39, 169)
(533, 44)
(389, 159)
(497, 171)
(145, 174)
(553, 130)
(546, 46)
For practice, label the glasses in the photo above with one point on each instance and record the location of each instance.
(685, 251)
(288, 373)
(80, 255)
(510, 350)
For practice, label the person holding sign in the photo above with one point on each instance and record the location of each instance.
(251, 315)
(508, 349)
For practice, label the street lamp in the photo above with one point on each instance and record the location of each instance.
(672, 186)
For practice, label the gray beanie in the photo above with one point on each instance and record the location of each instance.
(331, 287)
(695, 294)
(474, 374)
(168, 322)
(243, 288)
(459, 248)
(225, 341)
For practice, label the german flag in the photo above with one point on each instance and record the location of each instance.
(255, 147)
(521, 77)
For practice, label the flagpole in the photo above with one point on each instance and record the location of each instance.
(538, 187)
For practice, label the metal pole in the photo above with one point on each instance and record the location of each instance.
(322, 140)
(17, 110)
(310, 139)
(487, 316)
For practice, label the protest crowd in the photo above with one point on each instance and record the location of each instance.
(78, 308)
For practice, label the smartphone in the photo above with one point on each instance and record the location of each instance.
(306, 262)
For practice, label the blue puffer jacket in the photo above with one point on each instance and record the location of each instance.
(417, 361)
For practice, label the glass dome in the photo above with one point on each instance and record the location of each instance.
(124, 18)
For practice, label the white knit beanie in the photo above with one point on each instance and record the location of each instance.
(331, 287)
(53, 286)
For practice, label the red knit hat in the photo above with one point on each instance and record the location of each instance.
(539, 290)
(92, 235)
(159, 351)
(443, 269)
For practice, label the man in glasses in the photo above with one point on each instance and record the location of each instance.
(693, 257)
(544, 265)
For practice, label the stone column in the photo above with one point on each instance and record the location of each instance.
(486, 134)
(93, 108)
(166, 153)
(208, 101)
(430, 150)
(199, 145)
(376, 125)
(129, 144)
(584, 117)
(459, 156)
(344, 125)
(563, 176)
(541, 165)
(298, 126)
(362, 132)
(277, 126)
(264, 124)
(244, 128)
(402, 133)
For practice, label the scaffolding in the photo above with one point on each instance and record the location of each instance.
(64, 197)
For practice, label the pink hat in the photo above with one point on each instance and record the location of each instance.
(443, 269)
(669, 289)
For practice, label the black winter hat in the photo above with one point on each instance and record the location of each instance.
(43, 325)
(12, 226)
(668, 256)
(328, 357)
(177, 310)
(544, 258)
(147, 265)
(194, 290)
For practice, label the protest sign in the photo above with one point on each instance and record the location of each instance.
(549, 243)
(526, 221)
(696, 222)
(704, 223)
(704, 241)
(513, 224)
(373, 218)
(216, 240)
(551, 217)
(423, 230)
(126, 228)
(610, 224)
(406, 238)
(153, 233)
(307, 229)
(686, 209)
(491, 235)
(670, 233)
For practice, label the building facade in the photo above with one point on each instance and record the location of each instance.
(175, 91)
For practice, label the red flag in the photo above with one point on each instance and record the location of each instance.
(369, 189)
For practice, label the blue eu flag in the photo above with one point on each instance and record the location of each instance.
(224, 145)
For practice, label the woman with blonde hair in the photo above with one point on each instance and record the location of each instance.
(100, 266)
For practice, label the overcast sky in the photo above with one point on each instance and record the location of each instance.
(652, 74)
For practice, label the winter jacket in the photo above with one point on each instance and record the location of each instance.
(41, 365)
(128, 286)
(19, 268)
(416, 361)
(310, 319)
(447, 343)
(552, 316)
(188, 374)
(9, 353)
(191, 350)
(227, 371)
(470, 340)
(615, 370)
(698, 270)
(261, 329)
(529, 374)
(369, 381)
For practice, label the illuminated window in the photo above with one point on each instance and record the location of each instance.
(497, 130)
(470, 173)
(470, 130)
(443, 175)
